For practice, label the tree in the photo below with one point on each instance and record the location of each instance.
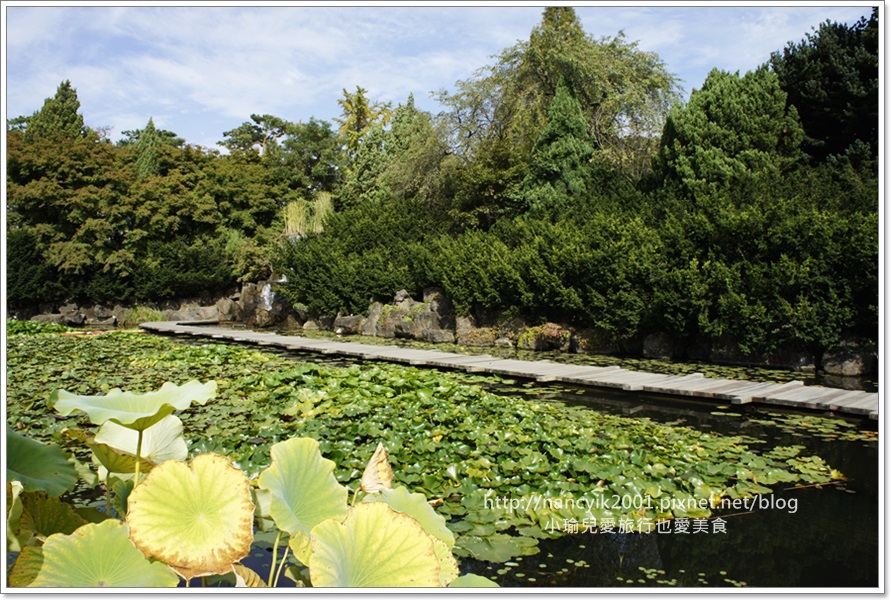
(147, 151)
(560, 167)
(163, 136)
(59, 116)
(624, 93)
(261, 135)
(832, 78)
(732, 131)
(359, 115)
(309, 158)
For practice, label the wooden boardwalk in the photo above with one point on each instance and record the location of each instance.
(793, 394)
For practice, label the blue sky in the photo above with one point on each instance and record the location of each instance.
(203, 70)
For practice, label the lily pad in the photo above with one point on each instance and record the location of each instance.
(135, 411)
(375, 546)
(197, 518)
(99, 555)
(38, 466)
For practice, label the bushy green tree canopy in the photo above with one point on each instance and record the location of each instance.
(832, 79)
(733, 130)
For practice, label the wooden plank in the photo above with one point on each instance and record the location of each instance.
(696, 385)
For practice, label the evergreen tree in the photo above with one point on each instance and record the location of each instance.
(58, 116)
(832, 79)
(732, 131)
(560, 168)
(147, 151)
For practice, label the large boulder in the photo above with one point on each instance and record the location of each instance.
(348, 324)
(660, 346)
(852, 358)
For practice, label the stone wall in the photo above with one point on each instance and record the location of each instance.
(432, 319)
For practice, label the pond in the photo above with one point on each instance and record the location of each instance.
(824, 535)
(820, 536)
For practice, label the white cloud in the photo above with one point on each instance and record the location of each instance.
(209, 68)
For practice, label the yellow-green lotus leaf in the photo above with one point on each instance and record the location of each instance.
(303, 491)
(417, 507)
(375, 546)
(15, 538)
(472, 581)
(197, 518)
(161, 442)
(26, 566)
(99, 555)
(135, 411)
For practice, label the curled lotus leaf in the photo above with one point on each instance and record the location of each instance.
(197, 518)
(161, 442)
(99, 555)
(375, 546)
(378, 474)
(134, 411)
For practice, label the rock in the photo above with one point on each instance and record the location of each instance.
(348, 325)
(369, 327)
(311, 325)
(226, 309)
(852, 358)
(504, 342)
(478, 336)
(403, 299)
(660, 346)
(549, 336)
(263, 318)
(439, 336)
(291, 323)
(58, 319)
(437, 302)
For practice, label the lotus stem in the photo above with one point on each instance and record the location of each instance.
(281, 566)
(278, 537)
(138, 454)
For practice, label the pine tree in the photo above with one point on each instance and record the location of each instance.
(560, 168)
(58, 117)
(147, 151)
(733, 131)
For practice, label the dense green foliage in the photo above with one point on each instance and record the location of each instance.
(564, 182)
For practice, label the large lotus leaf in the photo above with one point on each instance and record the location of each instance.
(26, 566)
(99, 555)
(197, 518)
(304, 491)
(136, 411)
(417, 507)
(161, 442)
(472, 581)
(36, 466)
(448, 566)
(375, 546)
